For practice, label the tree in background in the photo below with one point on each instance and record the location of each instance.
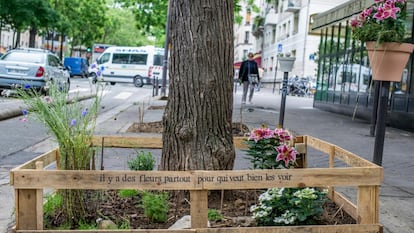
(21, 15)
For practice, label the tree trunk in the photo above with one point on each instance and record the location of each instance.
(32, 37)
(17, 41)
(198, 116)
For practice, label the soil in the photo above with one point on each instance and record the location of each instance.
(233, 205)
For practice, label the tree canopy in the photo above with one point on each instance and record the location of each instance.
(85, 22)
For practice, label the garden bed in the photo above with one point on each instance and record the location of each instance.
(30, 182)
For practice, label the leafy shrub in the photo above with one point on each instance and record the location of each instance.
(214, 215)
(288, 206)
(144, 161)
(155, 206)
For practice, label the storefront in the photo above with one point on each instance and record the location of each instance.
(344, 83)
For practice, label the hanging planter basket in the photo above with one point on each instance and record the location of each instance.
(388, 60)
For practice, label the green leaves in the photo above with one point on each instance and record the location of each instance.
(288, 206)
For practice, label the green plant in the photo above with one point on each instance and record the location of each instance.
(155, 206)
(53, 202)
(288, 206)
(125, 225)
(125, 193)
(384, 21)
(143, 161)
(270, 149)
(273, 149)
(214, 215)
(86, 226)
(72, 123)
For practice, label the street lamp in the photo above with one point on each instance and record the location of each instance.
(285, 65)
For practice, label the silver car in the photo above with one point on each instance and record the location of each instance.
(32, 68)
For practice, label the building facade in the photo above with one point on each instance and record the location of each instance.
(283, 27)
(49, 42)
(344, 83)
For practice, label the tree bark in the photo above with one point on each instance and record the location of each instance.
(198, 117)
(32, 37)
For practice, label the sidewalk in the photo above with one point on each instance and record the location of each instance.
(397, 192)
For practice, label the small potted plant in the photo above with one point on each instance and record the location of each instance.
(382, 27)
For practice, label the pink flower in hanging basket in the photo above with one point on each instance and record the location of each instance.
(383, 21)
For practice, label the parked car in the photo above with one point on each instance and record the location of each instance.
(36, 68)
(78, 66)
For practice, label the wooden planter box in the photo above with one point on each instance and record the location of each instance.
(30, 179)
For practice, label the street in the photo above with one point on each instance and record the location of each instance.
(22, 136)
(21, 140)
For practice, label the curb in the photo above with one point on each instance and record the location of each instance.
(14, 110)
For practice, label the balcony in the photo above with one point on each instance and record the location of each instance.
(293, 6)
(271, 18)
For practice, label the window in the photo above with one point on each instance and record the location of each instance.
(119, 58)
(296, 23)
(246, 37)
(139, 59)
(158, 60)
(104, 58)
(245, 53)
(53, 61)
(248, 16)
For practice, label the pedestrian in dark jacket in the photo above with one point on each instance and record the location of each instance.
(249, 76)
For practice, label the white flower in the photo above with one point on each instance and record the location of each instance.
(286, 218)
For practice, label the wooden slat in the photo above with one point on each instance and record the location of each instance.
(154, 142)
(349, 158)
(368, 204)
(47, 158)
(352, 159)
(39, 201)
(199, 209)
(319, 144)
(341, 201)
(198, 180)
(372, 228)
(26, 209)
(127, 142)
(112, 231)
(239, 143)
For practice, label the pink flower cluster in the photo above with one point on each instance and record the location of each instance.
(266, 133)
(381, 10)
(285, 152)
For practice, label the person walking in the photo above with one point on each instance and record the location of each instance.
(249, 77)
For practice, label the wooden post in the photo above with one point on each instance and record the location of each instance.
(199, 208)
(331, 189)
(39, 201)
(305, 156)
(368, 204)
(29, 206)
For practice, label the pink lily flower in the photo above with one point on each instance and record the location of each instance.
(286, 153)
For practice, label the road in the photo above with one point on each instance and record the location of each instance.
(21, 141)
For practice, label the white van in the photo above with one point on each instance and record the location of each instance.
(137, 65)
